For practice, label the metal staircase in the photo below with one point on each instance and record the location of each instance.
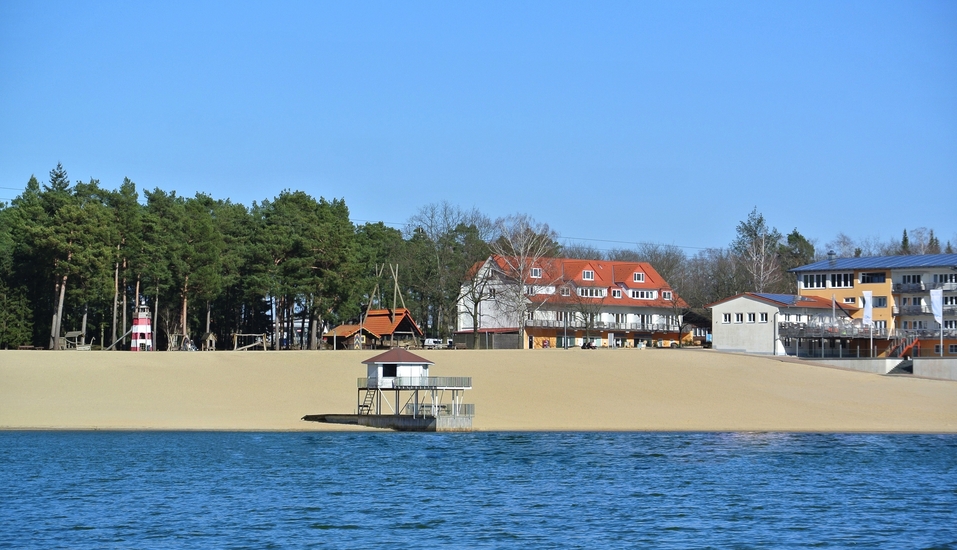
(904, 346)
(367, 402)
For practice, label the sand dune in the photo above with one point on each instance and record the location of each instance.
(669, 390)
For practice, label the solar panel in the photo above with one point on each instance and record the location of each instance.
(882, 262)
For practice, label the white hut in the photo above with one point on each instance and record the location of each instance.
(383, 370)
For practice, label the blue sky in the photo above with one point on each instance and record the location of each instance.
(628, 121)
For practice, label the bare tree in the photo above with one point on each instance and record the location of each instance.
(756, 247)
(581, 251)
(477, 289)
(587, 307)
(454, 239)
(521, 245)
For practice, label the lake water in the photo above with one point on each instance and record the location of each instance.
(491, 490)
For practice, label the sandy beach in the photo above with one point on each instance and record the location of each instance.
(654, 390)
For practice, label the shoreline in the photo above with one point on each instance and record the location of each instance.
(661, 391)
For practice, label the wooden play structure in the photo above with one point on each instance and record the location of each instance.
(243, 342)
(389, 327)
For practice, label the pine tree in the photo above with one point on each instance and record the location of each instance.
(933, 244)
(905, 244)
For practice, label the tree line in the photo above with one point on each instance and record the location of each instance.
(75, 256)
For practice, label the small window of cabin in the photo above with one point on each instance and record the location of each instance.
(388, 371)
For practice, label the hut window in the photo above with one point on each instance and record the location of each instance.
(388, 371)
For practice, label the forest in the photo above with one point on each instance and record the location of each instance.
(76, 256)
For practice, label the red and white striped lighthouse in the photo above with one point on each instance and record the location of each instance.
(142, 330)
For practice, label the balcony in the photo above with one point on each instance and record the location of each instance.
(417, 383)
(949, 310)
(602, 325)
(900, 288)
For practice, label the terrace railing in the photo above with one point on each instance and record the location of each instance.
(417, 383)
(603, 325)
(439, 409)
(805, 330)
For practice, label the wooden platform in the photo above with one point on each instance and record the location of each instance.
(401, 422)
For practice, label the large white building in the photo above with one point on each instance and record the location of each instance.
(751, 322)
(560, 302)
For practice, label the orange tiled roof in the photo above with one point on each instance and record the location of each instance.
(345, 331)
(606, 274)
(380, 322)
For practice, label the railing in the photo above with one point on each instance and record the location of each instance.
(602, 325)
(925, 333)
(908, 287)
(925, 310)
(416, 382)
(946, 287)
(803, 330)
(439, 409)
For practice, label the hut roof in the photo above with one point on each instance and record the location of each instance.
(398, 355)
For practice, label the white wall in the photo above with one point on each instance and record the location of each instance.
(756, 337)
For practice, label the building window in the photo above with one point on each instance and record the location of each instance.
(666, 294)
(851, 301)
(750, 317)
(880, 325)
(643, 294)
(911, 279)
(621, 317)
(566, 291)
(638, 277)
(870, 278)
(764, 317)
(591, 292)
(588, 275)
(880, 301)
(950, 324)
(738, 317)
(616, 293)
(950, 300)
(818, 280)
(536, 273)
(562, 315)
(726, 318)
(945, 278)
(530, 290)
(842, 280)
(936, 349)
(952, 348)
(787, 317)
(491, 293)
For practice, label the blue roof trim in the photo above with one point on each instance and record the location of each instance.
(882, 262)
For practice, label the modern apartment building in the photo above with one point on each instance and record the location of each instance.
(900, 287)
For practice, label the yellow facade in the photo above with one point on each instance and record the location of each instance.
(840, 294)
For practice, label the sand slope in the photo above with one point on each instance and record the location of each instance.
(670, 390)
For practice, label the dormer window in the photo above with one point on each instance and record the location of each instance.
(616, 293)
(666, 294)
(566, 291)
(639, 277)
(588, 275)
(536, 273)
